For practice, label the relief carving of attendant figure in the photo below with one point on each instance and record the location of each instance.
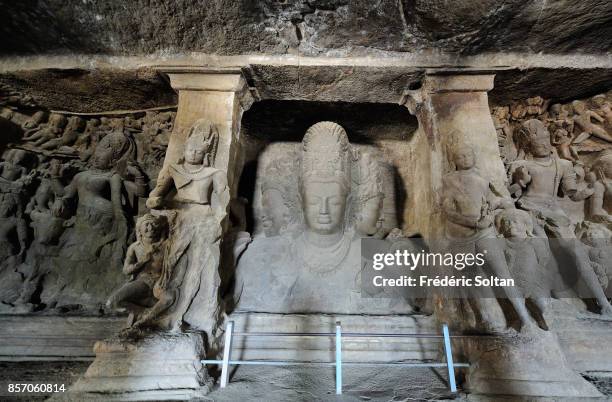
(526, 255)
(279, 201)
(70, 135)
(13, 229)
(583, 119)
(370, 197)
(200, 203)
(49, 225)
(100, 192)
(468, 203)
(195, 179)
(599, 205)
(14, 175)
(46, 132)
(603, 108)
(540, 179)
(34, 121)
(597, 239)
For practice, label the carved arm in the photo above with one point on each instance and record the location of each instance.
(164, 184)
(131, 265)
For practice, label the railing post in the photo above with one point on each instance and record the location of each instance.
(449, 359)
(338, 358)
(227, 350)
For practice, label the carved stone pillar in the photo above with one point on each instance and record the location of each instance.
(165, 363)
(452, 108)
(220, 96)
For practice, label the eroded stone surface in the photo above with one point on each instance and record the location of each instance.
(310, 27)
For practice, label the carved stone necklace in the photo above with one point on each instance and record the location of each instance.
(322, 260)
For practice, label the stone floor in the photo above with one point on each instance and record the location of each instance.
(39, 372)
(312, 383)
(289, 384)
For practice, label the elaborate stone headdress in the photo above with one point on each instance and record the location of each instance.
(529, 131)
(326, 154)
(122, 146)
(204, 135)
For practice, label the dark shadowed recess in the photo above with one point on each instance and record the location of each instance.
(272, 120)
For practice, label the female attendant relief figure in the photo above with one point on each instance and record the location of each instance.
(99, 201)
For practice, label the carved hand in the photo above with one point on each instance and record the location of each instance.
(154, 202)
(485, 222)
(521, 176)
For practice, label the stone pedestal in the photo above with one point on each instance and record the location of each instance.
(157, 367)
(525, 366)
(322, 349)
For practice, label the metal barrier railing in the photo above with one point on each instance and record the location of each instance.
(338, 363)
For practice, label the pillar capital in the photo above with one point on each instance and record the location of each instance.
(439, 82)
(212, 79)
(448, 81)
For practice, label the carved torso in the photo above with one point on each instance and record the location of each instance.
(153, 268)
(466, 193)
(193, 187)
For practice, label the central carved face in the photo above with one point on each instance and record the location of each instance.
(324, 206)
(194, 154)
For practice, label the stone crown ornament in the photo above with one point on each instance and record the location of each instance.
(326, 153)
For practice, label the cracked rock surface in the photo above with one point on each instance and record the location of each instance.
(308, 27)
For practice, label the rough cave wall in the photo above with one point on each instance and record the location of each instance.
(310, 27)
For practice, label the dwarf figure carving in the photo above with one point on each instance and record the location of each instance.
(144, 264)
(526, 256)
